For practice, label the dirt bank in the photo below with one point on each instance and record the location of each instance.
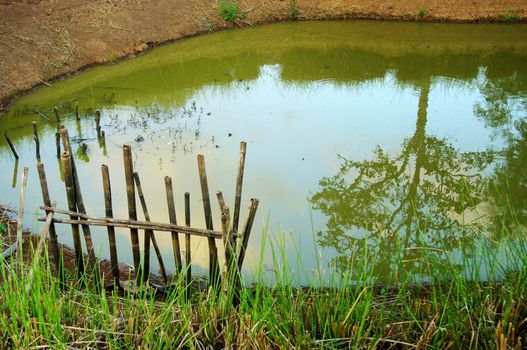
(44, 40)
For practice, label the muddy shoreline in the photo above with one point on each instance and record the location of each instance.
(45, 41)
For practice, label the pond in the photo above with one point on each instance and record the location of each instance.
(405, 139)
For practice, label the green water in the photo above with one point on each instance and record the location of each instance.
(406, 138)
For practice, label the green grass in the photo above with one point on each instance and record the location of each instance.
(229, 10)
(3, 228)
(293, 8)
(333, 311)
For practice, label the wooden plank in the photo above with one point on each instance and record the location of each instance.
(137, 225)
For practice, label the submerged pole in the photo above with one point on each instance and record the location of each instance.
(57, 143)
(98, 123)
(10, 144)
(37, 142)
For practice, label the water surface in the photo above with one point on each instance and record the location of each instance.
(403, 137)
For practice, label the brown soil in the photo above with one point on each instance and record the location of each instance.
(44, 40)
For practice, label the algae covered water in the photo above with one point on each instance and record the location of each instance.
(405, 139)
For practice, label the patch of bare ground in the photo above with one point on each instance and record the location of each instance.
(41, 41)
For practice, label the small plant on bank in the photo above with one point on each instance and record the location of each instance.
(421, 13)
(228, 9)
(509, 15)
(3, 228)
(293, 9)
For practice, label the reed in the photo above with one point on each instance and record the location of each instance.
(454, 310)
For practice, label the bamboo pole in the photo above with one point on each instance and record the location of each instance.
(52, 232)
(98, 123)
(149, 235)
(40, 246)
(221, 201)
(187, 244)
(140, 225)
(10, 144)
(57, 115)
(132, 213)
(102, 143)
(15, 174)
(239, 185)
(79, 203)
(107, 189)
(173, 220)
(225, 226)
(37, 142)
(213, 251)
(70, 193)
(20, 221)
(247, 231)
(57, 143)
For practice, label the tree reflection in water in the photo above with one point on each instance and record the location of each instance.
(406, 207)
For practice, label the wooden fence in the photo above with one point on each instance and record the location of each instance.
(234, 240)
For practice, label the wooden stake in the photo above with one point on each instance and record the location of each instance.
(239, 184)
(57, 143)
(57, 115)
(213, 252)
(149, 236)
(70, 193)
(80, 204)
(52, 233)
(107, 189)
(15, 174)
(187, 244)
(98, 123)
(172, 216)
(40, 246)
(102, 142)
(21, 208)
(37, 142)
(247, 231)
(10, 144)
(77, 112)
(225, 226)
(132, 213)
(221, 201)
